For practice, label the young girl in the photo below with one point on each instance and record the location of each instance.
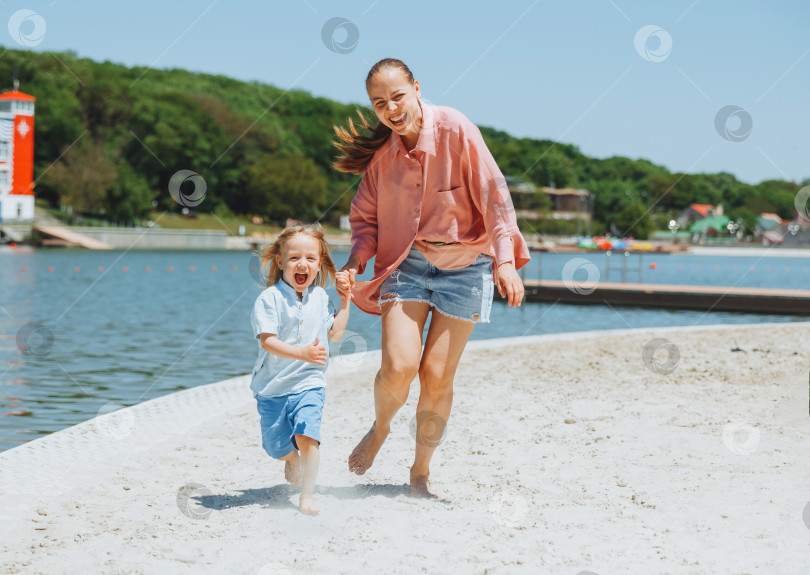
(293, 321)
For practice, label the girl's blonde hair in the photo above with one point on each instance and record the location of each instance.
(358, 149)
(269, 263)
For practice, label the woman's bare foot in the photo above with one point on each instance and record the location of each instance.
(420, 487)
(306, 504)
(292, 470)
(364, 453)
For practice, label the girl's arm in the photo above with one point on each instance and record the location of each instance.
(312, 353)
(341, 318)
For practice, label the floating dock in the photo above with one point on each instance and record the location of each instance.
(701, 298)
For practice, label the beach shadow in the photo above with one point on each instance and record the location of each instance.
(372, 490)
(278, 496)
(363, 491)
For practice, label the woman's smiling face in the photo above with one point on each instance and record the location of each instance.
(396, 102)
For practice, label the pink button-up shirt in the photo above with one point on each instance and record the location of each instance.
(447, 189)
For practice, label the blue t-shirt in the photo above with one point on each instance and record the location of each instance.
(277, 310)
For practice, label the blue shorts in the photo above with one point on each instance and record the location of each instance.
(284, 417)
(464, 294)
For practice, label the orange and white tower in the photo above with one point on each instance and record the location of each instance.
(16, 156)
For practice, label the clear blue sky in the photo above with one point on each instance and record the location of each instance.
(558, 69)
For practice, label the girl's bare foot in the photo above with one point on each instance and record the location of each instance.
(363, 455)
(292, 470)
(306, 504)
(420, 487)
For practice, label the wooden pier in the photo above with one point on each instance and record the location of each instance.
(701, 298)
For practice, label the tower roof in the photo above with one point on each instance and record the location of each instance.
(17, 95)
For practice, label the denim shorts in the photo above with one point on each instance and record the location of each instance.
(283, 417)
(464, 294)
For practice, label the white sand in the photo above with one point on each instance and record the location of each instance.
(564, 454)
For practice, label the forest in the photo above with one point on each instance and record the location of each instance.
(110, 137)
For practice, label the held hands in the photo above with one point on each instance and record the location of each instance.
(345, 277)
(509, 284)
(344, 280)
(314, 353)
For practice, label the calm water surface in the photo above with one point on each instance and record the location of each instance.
(102, 330)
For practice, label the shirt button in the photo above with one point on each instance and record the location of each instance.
(416, 210)
(302, 321)
(299, 339)
(418, 185)
(299, 306)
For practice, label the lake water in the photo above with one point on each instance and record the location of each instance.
(87, 332)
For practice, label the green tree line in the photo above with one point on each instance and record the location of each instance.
(110, 137)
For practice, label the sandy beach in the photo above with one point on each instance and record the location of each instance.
(638, 451)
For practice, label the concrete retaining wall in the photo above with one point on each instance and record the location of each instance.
(157, 239)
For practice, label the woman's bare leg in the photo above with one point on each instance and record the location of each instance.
(402, 325)
(444, 345)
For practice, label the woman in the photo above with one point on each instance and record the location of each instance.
(434, 210)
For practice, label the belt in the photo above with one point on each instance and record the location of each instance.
(441, 243)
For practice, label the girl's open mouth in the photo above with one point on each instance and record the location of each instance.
(401, 121)
(300, 279)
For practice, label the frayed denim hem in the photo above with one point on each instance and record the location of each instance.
(382, 301)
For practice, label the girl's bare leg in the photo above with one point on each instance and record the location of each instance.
(402, 325)
(310, 458)
(292, 468)
(444, 345)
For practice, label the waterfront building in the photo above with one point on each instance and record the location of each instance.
(16, 157)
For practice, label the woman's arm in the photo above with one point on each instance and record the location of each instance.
(509, 284)
(363, 220)
(490, 194)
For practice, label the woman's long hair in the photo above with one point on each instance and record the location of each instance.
(358, 149)
(269, 263)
